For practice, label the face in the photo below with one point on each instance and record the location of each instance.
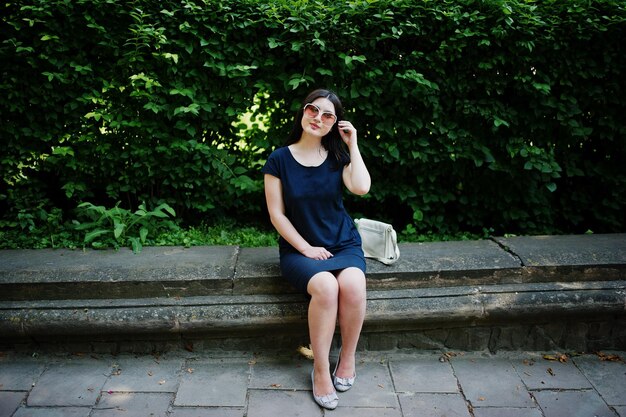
(319, 117)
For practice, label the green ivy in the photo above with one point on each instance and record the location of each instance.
(472, 115)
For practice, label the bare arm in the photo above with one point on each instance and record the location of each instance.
(356, 177)
(276, 208)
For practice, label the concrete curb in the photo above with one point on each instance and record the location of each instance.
(405, 309)
(229, 292)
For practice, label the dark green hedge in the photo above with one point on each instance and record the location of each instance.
(472, 115)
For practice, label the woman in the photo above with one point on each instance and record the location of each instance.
(320, 248)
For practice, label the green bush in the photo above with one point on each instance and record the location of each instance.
(120, 227)
(472, 115)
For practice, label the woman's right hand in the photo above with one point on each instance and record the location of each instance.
(317, 253)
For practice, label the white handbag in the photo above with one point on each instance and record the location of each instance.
(379, 240)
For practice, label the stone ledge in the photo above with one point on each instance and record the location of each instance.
(487, 287)
(405, 309)
(230, 270)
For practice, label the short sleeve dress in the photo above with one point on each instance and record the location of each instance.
(314, 204)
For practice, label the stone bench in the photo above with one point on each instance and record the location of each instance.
(542, 292)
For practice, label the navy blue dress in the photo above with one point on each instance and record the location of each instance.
(314, 204)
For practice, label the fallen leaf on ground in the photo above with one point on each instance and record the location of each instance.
(150, 373)
(190, 370)
(609, 357)
(276, 385)
(161, 382)
(306, 352)
(550, 371)
(561, 357)
(481, 398)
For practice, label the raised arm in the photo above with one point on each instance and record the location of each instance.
(356, 177)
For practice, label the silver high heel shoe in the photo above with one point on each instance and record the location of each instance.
(328, 401)
(342, 384)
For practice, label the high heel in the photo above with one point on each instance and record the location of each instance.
(328, 401)
(342, 384)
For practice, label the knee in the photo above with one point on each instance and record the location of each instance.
(324, 288)
(352, 289)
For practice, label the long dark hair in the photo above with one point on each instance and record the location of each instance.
(332, 141)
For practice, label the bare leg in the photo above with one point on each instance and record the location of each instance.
(352, 300)
(324, 291)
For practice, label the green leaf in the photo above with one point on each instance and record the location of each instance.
(543, 88)
(497, 122)
(274, 43)
(136, 245)
(63, 151)
(167, 208)
(118, 229)
(94, 234)
(94, 115)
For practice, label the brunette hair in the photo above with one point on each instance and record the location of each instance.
(332, 141)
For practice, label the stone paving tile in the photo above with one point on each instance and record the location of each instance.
(9, 401)
(207, 412)
(572, 404)
(388, 384)
(53, 412)
(373, 387)
(214, 383)
(539, 373)
(19, 375)
(433, 405)
(144, 374)
(423, 374)
(608, 378)
(507, 412)
(281, 374)
(621, 410)
(71, 383)
(364, 412)
(491, 382)
(272, 403)
(133, 403)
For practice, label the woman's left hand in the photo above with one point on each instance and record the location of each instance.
(347, 132)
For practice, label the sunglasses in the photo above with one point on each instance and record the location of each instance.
(311, 111)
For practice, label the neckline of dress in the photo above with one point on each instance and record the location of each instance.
(306, 166)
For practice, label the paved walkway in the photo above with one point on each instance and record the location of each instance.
(237, 384)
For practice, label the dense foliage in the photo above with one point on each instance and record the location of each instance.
(492, 115)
